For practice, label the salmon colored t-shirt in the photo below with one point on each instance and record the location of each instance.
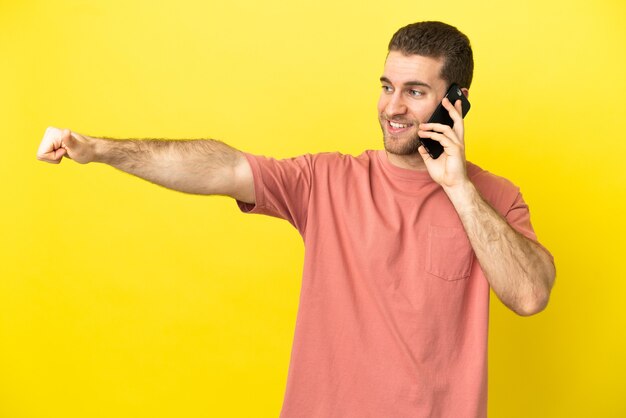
(394, 307)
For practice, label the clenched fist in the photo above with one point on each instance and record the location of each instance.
(57, 143)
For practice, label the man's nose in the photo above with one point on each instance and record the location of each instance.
(396, 105)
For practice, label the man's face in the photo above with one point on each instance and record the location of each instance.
(411, 90)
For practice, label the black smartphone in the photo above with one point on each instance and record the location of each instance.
(441, 115)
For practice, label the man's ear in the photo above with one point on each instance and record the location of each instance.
(465, 92)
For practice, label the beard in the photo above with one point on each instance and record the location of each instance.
(403, 144)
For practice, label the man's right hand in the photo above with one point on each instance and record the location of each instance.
(57, 143)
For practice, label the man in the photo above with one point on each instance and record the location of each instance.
(400, 249)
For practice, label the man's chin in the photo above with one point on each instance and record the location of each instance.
(399, 147)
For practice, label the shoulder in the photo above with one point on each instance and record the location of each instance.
(338, 160)
(325, 167)
(316, 162)
(487, 179)
(497, 190)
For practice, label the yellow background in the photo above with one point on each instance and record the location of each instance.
(119, 298)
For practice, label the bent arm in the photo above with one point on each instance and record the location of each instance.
(519, 271)
(202, 166)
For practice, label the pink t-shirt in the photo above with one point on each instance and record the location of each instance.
(394, 307)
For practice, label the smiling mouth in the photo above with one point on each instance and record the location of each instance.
(398, 127)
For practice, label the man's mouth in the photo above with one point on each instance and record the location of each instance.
(395, 127)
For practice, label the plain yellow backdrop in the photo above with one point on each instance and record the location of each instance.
(119, 298)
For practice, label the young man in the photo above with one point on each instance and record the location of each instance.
(401, 249)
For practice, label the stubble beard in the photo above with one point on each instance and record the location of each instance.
(396, 144)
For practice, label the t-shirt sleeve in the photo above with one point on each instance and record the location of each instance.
(506, 198)
(518, 216)
(282, 188)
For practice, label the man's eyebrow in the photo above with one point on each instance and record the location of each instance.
(408, 83)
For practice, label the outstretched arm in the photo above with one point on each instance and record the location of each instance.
(203, 166)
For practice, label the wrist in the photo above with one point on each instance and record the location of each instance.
(98, 149)
(463, 194)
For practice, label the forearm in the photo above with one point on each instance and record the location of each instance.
(192, 166)
(519, 271)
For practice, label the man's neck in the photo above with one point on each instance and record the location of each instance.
(409, 162)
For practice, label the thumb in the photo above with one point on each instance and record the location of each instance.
(67, 141)
(76, 147)
(425, 155)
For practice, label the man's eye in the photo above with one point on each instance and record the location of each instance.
(386, 89)
(415, 93)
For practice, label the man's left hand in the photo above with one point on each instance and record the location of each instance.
(449, 169)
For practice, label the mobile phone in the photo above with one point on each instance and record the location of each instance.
(441, 115)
